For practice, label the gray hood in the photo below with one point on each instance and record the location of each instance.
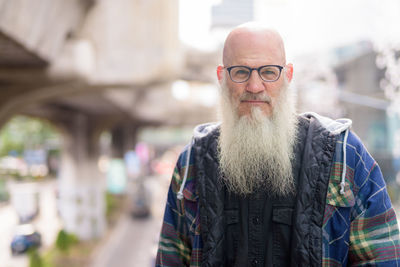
(204, 129)
(334, 126)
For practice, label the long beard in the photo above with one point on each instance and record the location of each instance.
(256, 151)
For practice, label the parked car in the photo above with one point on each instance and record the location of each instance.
(141, 202)
(25, 237)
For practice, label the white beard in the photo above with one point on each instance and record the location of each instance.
(255, 151)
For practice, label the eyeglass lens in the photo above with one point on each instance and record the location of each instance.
(267, 73)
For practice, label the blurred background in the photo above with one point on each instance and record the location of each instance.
(98, 97)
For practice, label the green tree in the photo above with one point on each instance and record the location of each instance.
(23, 132)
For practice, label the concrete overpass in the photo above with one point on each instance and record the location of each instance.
(89, 66)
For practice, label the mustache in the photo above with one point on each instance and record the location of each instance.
(247, 96)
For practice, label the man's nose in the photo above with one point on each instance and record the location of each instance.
(254, 84)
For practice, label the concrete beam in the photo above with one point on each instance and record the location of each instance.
(16, 101)
(40, 27)
(136, 41)
(13, 54)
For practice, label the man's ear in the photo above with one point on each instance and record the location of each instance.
(220, 70)
(289, 72)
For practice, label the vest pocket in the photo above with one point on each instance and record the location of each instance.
(281, 228)
(231, 235)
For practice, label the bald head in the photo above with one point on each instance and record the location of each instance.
(253, 40)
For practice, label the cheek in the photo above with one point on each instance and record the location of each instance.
(275, 91)
(235, 92)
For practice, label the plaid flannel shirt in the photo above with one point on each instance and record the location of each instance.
(359, 227)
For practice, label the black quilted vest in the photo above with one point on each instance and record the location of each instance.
(306, 246)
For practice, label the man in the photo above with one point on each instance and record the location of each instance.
(267, 187)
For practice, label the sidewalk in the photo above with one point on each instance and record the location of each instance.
(133, 242)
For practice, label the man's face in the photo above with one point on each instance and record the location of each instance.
(253, 49)
(258, 118)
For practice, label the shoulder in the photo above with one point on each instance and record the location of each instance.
(205, 132)
(201, 133)
(360, 161)
(185, 170)
(356, 146)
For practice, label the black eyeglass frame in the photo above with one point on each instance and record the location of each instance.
(258, 71)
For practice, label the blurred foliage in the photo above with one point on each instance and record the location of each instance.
(65, 240)
(35, 260)
(4, 195)
(23, 132)
(110, 203)
(115, 204)
(78, 255)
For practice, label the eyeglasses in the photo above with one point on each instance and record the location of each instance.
(268, 73)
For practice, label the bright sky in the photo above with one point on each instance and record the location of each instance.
(306, 25)
(195, 22)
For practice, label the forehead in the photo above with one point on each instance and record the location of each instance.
(254, 49)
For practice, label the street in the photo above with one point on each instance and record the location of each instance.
(133, 241)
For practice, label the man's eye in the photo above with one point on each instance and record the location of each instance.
(241, 72)
(268, 71)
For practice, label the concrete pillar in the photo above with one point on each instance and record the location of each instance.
(123, 139)
(81, 185)
(117, 143)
